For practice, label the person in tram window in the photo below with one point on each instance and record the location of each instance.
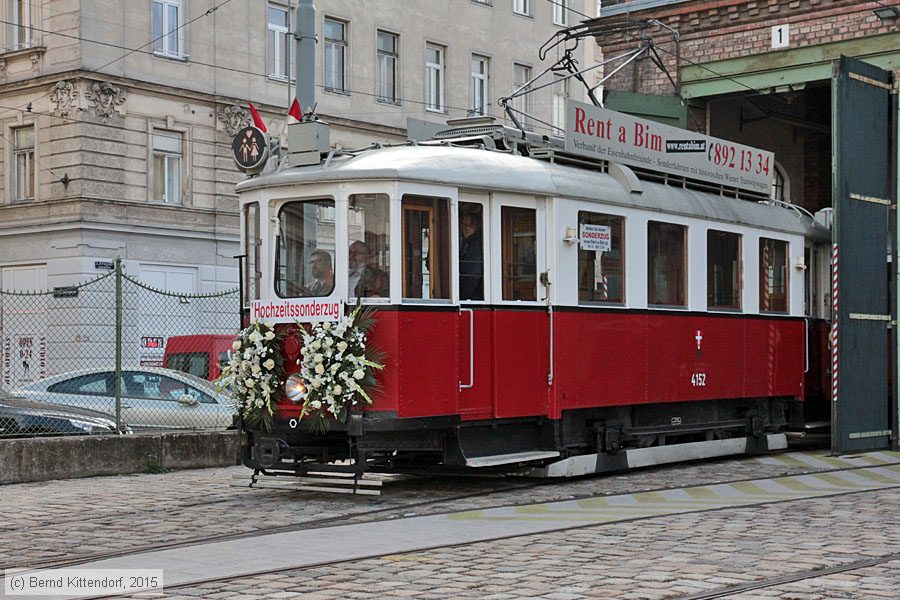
(471, 257)
(322, 272)
(366, 281)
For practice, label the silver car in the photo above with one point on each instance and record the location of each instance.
(151, 397)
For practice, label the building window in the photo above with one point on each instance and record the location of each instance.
(518, 230)
(601, 271)
(426, 247)
(335, 55)
(166, 167)
(773, 275)
(23, 139)
(20, 27)
(522, 7)
(167, 21)
(480, 77)
(666, 264)
(434, 77)
(522, 104)
(779, 185)
(723, 270)
(387, 58)
(560, 95)
(561, 12)
(471, 251)
(277, 41)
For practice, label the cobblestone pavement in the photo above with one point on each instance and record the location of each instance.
(67, 519)
(664, 557)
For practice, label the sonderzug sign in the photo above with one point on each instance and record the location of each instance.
(291, 311)
(617, 137)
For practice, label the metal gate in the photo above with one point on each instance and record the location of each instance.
(861, 413)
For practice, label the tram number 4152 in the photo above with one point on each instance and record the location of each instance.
(698, 379)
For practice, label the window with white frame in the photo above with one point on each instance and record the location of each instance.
(277, 41)
(166, 184)
(523, 103)
(20, 25)
(387, 58)
(481, 71)
(561, 12)
(522, 7)
(434, 77)
(168, 18)
(560, 94)
(335, 55)
(23, 161)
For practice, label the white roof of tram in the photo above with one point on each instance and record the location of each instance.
(471, 168)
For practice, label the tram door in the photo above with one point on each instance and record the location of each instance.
(504, 323)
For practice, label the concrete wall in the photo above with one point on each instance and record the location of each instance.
(43, 459)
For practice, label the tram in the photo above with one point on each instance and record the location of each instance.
(540, 310)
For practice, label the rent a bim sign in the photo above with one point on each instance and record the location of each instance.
(617, 137)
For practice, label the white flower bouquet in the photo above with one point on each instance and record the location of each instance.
(254, 374)
(337, 368)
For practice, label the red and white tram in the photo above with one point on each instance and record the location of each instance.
(539, 309)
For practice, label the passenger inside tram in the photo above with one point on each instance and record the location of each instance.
(323, 273)
(366, 280)
(471, 253)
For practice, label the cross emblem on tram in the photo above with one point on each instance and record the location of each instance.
(699, 338)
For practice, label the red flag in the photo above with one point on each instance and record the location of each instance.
(295, 110)
(257, 120)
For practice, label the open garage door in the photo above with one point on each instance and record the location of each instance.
(861, 412)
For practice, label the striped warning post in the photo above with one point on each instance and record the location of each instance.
(834, 323)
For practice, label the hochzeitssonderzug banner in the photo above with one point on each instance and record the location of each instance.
(621, 138)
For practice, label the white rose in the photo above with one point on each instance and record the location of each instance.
(236, 345)
(316, 404)
(359, 374)
(255, 369)
(269, 364)
(318, 358)
(270, 335)
(249, 382)
(316, 384)
(329, 343)
(320, 369)
(337, 390)
(334, 368)
(326, 325)
(341, 346)
(316, 345)
(247, 354)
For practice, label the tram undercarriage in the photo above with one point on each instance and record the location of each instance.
(581, 442)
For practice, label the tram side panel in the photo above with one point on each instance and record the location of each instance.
(775, 357)
(521, 362)
(426, 363)
(476, 398)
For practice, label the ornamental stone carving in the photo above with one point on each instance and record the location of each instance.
(233, 117)
(106, 98)
(65, 95)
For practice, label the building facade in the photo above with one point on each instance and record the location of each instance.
(117, 116)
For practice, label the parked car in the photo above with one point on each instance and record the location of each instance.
(19, 416)
(152, 397)
(200, 355)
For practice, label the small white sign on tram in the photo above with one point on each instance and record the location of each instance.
(595, 237)
(294, 310)
(617, 137)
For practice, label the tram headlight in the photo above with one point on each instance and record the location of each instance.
(295, 388)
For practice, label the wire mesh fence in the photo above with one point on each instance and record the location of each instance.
(113, 354)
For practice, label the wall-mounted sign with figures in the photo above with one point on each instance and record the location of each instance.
(250, 148)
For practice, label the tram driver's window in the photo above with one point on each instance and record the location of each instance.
(471, 251)
(368, 223)
(773, 275)
(519, 245)
(252, 247)
(601, 263)
(426, 247)
(304, 259)
(723, 269)
(666, 264)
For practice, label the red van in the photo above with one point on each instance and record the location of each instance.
(199, 355)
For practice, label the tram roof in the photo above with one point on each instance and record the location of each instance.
(471, 168)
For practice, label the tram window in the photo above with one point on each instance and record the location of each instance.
(773, 275)
(426, 247)
(368, 223)
(471, 251)
(723, 269)
(519, 241)
(304, 260)
(253, 245)
(666, 256)
(601, 273)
